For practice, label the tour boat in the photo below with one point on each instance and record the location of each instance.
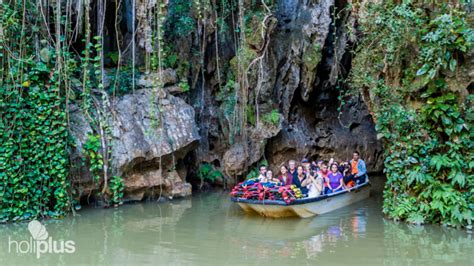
(305, 207)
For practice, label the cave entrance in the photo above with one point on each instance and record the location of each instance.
(117, 29)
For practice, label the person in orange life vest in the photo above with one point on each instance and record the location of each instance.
(358, 169)
(347, 174)
(324, 170)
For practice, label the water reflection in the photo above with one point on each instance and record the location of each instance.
(428, 243)
(358, 223)
(208, 229)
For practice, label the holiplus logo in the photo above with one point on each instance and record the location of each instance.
(40, 242)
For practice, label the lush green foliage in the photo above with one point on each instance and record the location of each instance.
(93, 156)
(33, 123)
(207, 172)
(251, 119)
(39, 75)
(402, 67)
(273, 117)
(117, 188)
(180, 21)
(121, 82)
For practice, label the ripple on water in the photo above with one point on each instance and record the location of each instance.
(208, 229)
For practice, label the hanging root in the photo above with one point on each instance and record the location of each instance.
(265, 33)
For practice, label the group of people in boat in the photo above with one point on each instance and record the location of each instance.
(321, 177)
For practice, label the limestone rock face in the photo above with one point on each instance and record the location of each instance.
(168, 77)
(316, 131)
(297, 47)
(153, 183)
(239, 157)
(143, 132)
(150, 132)
(234, 159)
(308, 53)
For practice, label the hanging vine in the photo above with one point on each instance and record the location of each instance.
(33, 120)
(403, 67)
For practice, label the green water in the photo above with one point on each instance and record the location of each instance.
(210, 230)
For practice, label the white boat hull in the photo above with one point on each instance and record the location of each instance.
(309, 209)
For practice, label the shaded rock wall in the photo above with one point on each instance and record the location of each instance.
(308, 53)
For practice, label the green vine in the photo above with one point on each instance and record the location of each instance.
(33, 120)
(273, 117)
(207, 172)
(93, 157)
(402, 67)
(117, 188)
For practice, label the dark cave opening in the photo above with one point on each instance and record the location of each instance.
(116, 31)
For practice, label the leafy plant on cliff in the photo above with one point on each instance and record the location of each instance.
(121, 82)
(207, 172)
(117, 188)
(33, 122)
(91, 150)
(273, 117)
(402, 67)
(180, 21)
(312, 56)
(39, 77)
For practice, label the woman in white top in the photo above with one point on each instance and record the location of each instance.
(314, 183)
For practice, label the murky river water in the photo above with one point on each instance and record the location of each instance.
(209, 230)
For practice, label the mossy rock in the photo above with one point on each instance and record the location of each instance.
(312, 56)
(253, 33)
(247, 55)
